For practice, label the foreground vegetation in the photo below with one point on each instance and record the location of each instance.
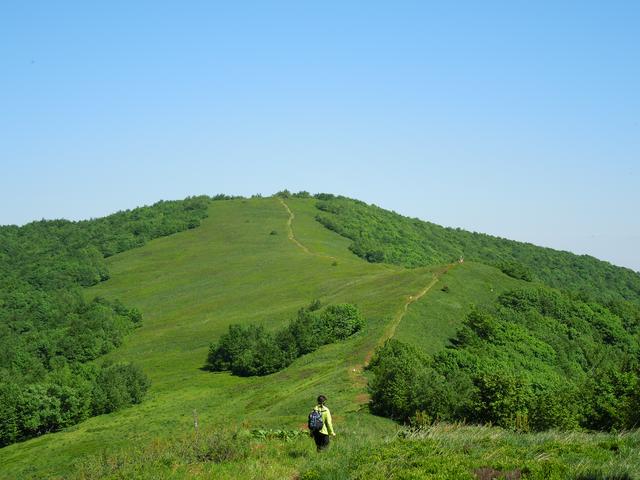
(442, 451)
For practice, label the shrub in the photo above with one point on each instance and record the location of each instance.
(340, 321)
(516, 270)
(117, 386)
(283, 193)
(251, 350)
(399, 380)
(232, 345)
(302, 194)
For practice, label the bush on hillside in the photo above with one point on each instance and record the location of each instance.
(301, 194)
(223, 196)
(117, 386)
(516, 270)
(251, 350)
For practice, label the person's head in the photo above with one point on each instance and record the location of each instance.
(321, 399)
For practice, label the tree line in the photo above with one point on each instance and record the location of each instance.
(50, 334)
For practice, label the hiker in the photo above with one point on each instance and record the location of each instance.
(320, 426)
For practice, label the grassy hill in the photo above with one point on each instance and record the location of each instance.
(190, 287)
(260, 260)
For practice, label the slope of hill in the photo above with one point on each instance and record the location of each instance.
(430, 324)
(190, 286)
(379, 235)
(259, 261)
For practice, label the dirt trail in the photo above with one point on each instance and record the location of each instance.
(293, 238)
(390, 331)
(356, 372)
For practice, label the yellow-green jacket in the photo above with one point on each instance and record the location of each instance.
(327, 426)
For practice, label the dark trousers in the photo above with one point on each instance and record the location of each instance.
(322, 440)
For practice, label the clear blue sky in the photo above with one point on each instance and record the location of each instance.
(520, 119)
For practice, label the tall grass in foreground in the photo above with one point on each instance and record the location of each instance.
(441, 451)
(450, 451)
(219, 454)
(162, 457)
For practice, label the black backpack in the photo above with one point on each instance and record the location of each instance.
(315, 421)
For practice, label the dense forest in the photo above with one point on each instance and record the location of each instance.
(379, 235)
(538, 359)
(49, 332)
(251, 350)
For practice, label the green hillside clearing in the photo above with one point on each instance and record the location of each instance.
(259, 261)
(430, 323)
(190, 287)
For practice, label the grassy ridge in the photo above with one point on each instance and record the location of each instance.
(190, 287)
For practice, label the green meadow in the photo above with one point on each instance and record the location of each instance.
(252, 262)
(432, 321)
